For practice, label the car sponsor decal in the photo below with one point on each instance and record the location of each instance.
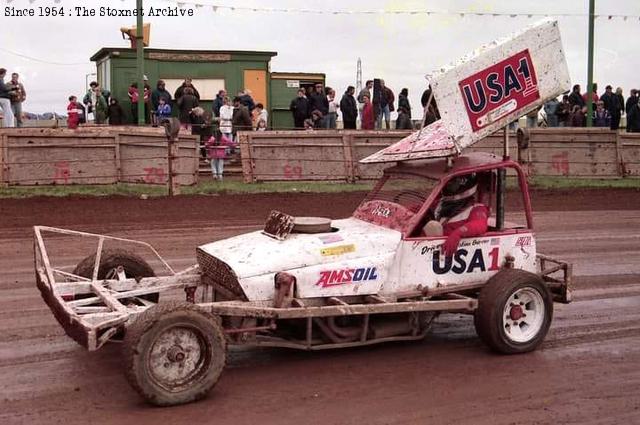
(329, 278)
(468, 258)
(500, 89)
(338, 250)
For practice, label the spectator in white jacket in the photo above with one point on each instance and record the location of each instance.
(226, 113)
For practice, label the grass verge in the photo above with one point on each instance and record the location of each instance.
(238, 187)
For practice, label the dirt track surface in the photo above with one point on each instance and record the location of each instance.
(587, 371)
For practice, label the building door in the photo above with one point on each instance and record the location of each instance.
(256, 81)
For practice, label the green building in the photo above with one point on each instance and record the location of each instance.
(210, 70)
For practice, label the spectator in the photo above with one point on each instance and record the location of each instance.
(403, 102)
(403, 122)
(349, 109)
(241, 119)
(201, 126)
(5, 101)
(317, 119)
(226, 114)
(186, 102)
(18, 95)
(261, 115)
(159, 93)
(367, 114)
(217, 152)
(308, 124)
(89, 97)
(299, 107)
(262, 125)
(601, 117)
(115, 112)
(618, 109)
(612, 106)
(186, 84)
(73, 113)
(218, 102)
(564, 112)
(332, 116)
(164, 110)
(101, 107)
(631, 102)
(532, 118)
(595, 98)
(633, 119)
(319, 102)
(133, 98)
(575, 98)
(578, 117)
(247, 100)
(550, 110)
(386, 99)
(425, 98)
(366, 91)
(431, 115)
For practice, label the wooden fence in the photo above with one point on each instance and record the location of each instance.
(334, 155)
(100, 155)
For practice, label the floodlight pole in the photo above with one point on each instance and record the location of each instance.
(140, 63)
(592, 11)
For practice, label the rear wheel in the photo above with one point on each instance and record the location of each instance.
(174, 353)
(514, 312)
(134, 266)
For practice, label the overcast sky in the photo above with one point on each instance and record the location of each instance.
(399, 48)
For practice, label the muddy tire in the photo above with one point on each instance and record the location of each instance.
(514, 312)
(134, 266)
(174, 353)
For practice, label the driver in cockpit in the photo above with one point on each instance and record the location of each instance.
(458, 214)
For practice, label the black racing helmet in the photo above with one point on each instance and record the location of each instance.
(459, 188)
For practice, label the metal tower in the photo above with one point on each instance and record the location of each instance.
(359, 77)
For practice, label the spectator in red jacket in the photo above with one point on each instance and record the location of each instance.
(73, 113)
(367, 114)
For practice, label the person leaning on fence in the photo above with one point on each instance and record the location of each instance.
(5, 101)
(349, 109)
(73, 113)
(115, 112)
(563, 112)
(217, 153)
(186, 102)
(241, 119)
(18, 96)
(319, 104)
(299, 107)
(633, 119)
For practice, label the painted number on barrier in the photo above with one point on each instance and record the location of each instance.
(292, 171)
(560, 163)
(154, 175)
(500, 89)
(62, 172)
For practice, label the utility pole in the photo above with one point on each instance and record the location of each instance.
(592, 11)
(140, 63)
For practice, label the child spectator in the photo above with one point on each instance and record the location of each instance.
(261, 115)
(578, 116)
(262, 125)
(73, 113)
(217, 152)
(367, 114)
(164, 110)
(601, 117)
(115, 113)
(226, 115)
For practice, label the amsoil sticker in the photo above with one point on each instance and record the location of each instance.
(499, 90)
(331, 278)
(338, 250)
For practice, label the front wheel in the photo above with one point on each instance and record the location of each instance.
(174, 353)
(514, 312)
